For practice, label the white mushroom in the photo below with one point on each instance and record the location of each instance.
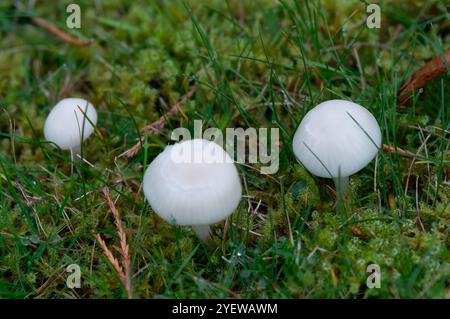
(193, 183)
(70, 123)
(336, 139)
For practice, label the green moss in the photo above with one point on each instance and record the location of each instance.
(289, 237)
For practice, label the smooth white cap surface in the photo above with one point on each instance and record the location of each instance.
(200, 189)
(337, 132)
(66, 124)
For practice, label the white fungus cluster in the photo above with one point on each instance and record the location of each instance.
(195, 183)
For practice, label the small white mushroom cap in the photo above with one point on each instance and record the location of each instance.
(337, 138)
(66, 124)
(193, 182)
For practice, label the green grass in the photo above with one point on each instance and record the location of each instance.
(255, 64)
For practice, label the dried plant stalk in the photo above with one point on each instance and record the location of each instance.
(60, 33)
(393, 149)
(113, 260)
(123, 269)
(156, 127)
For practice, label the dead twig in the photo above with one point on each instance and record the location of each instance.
(156, 127)
(60, 33)
(123, 268)
(429, 71)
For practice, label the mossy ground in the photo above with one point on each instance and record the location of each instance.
(255, 64)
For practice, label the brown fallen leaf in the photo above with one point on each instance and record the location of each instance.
(429, 71)
(358, 232)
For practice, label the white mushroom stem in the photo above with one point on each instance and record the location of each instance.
(74, 152)
(203, 232)
(341, 184)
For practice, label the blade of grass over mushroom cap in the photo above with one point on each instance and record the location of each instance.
(341, 182)
(94, 125)
(320, 161)
(344, 181)
(365, 132)
(66, 129)
(316, 128)
(78, 152)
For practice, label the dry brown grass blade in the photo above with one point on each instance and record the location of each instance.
(124, 248)
(60, 33)
(123, 269)
(393, 149)
(429, 71)
(156, 127)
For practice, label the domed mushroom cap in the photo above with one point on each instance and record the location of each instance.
(194, 182)
(66, 124)
(337, 132)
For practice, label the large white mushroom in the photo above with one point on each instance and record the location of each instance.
(193, 183)
(336, 139)
(70, 123)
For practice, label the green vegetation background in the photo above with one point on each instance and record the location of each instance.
(255, 64)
